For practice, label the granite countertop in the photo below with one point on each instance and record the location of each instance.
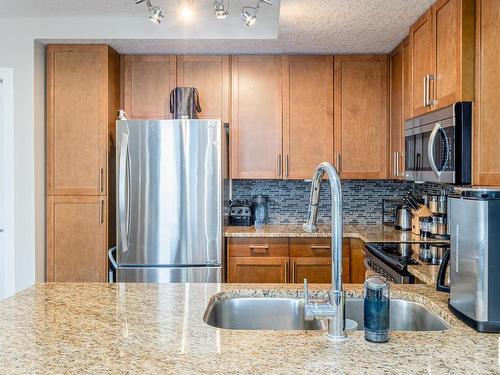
(365, 232)
(159, 328)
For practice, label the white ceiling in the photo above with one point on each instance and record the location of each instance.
(305, 26)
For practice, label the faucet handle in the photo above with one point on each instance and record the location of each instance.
(306, 292)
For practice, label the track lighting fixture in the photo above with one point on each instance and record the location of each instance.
(155, 12)
(220, 10)
(249, 14)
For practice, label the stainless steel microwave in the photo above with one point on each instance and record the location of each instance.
(438, 145)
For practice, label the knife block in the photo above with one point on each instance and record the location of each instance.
(422, 211)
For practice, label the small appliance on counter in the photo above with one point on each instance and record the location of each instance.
(241, 213)
(474, 258)
(260, 210)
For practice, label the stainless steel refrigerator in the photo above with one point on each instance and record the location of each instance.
(170, 200)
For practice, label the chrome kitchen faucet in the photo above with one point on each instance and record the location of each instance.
(333, 310)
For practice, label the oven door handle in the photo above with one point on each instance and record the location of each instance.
(430, 149)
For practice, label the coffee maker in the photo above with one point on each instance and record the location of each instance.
(474, 257)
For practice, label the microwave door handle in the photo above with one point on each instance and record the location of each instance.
(122, 211)
(430, 149)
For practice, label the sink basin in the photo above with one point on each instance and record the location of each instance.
(267, 313)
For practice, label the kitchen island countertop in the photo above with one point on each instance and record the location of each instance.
(159, 328)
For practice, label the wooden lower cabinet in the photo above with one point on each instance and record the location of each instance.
(76, 239)
(357, 262)
(290, 260)
(258, 270)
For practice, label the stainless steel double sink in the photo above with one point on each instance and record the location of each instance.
(270, 313)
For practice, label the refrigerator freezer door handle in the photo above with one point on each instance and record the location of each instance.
(122, 210)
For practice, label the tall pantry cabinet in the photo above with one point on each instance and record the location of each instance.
(82, 100)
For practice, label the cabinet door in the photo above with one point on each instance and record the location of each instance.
(210, 75)
(453, 59)
(487, 108)
(307, 114)
(315, 270)
(407, 86)
(421, 49)
(255, 130)
(76, 239)
(147, 82)
(77, 127)
(361, 116)
(258, 270)
(397, 124)
(357, 261)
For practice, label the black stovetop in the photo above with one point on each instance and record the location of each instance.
(400, 255)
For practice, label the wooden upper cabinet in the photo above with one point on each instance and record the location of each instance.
(146, 85)
(407, 88)
(76, 239)
(422, 67)
(442, 49)
(487, 109)
(256, 128)
(453, 52)
(361, 116)
(307, 114)
(396, 112)
(210, 75)
(77, 118)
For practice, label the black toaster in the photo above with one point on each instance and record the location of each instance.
(240, 213)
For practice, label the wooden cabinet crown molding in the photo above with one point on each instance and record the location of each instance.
(307, 110)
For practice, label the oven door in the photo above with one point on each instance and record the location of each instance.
(378, 266)
(430, 152)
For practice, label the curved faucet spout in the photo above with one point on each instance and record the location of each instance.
(336, 326)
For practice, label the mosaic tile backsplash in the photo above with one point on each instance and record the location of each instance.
(362, 199)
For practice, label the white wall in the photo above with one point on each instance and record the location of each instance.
(7, 194)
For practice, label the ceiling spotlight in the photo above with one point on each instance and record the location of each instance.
(248, 19)
(249, 14)
(219, 10)
(155, 12)
(186, 12)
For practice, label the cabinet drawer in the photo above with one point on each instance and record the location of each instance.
(258, 270)
(315, 247)
(261, 247)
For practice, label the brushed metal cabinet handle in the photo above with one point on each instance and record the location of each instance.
(286, 165)
(430, 101)
(101, 211)
(394, 164)
(279, 165)
(101, 180)
(259, 249)
(320, 247)
(425, 90)
(293, 272)
(286, 271)
(339, 163)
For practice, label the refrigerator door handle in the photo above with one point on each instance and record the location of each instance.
(122, 198)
